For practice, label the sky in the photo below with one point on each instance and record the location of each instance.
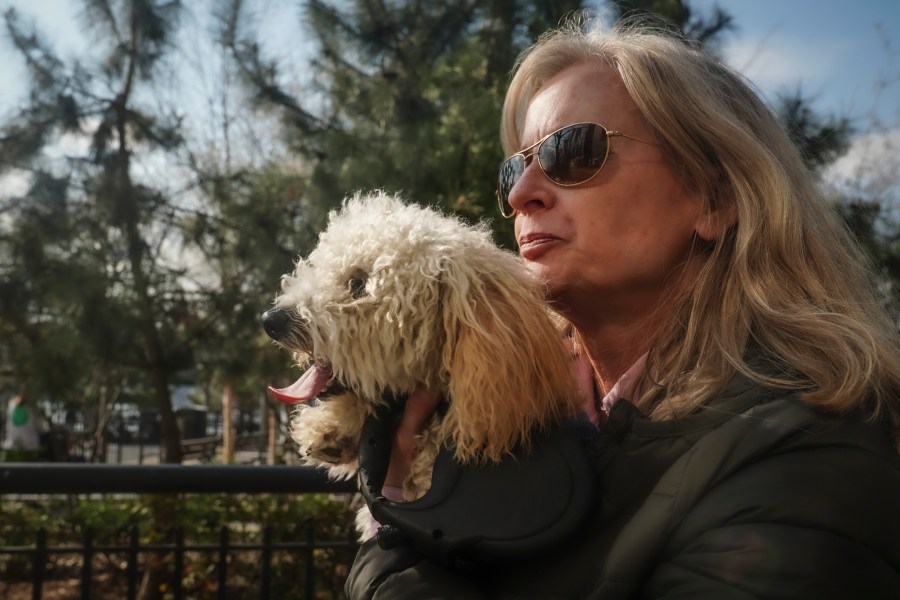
(844, 55)
(834, 51)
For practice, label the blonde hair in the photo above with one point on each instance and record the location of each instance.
(786, 280)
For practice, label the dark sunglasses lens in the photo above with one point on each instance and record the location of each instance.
(574, 154)
(510, 172)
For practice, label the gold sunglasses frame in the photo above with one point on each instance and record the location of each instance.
(530, 151)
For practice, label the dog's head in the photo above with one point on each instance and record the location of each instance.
(396, 296)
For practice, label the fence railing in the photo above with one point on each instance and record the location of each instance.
(37, 479)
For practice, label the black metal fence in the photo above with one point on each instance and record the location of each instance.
(43, 479)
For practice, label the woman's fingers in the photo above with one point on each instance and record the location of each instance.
(420, 405)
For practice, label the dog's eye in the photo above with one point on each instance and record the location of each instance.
(356, 285)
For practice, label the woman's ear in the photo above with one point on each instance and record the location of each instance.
(714, 221)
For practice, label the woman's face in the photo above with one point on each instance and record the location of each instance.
(619, 241)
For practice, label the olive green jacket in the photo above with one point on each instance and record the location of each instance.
(755, 496)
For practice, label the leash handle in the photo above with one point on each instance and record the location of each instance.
(374, 459)
(478, 514)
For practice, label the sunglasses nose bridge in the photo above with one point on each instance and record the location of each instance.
(527, 157)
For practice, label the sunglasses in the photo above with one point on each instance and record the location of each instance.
(569, 156)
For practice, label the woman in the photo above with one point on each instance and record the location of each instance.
(745, 378)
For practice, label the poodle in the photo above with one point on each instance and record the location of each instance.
(396, 296)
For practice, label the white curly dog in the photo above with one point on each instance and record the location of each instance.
(397, 296)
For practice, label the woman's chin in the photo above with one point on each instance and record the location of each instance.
(548, 277)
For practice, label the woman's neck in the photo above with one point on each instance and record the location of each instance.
(613, 345)
(616, 331)
(609, 361)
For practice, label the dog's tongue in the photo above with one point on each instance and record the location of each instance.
(310, 385)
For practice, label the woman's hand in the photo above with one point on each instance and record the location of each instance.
(420, 405)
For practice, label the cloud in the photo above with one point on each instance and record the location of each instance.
(870, 169)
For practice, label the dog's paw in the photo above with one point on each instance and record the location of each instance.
(327, 433)
(330, 448)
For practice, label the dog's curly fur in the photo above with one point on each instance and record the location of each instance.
(396, 296)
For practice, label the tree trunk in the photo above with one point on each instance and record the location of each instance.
(98, 452)
(157, 577)
(271, 430)
(227, 424)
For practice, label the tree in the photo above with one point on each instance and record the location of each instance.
(708, 29)
(97, 256)
(865, 185)
(96, 234)
(258, 223)
(251, 220)
(820, 138)
(406, 97)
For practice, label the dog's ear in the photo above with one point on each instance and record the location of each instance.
(507, 368)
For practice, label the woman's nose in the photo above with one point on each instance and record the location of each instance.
(533, 191)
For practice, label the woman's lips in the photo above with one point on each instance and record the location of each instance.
(532, 245)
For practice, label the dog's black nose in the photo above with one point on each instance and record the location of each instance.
(277, 323)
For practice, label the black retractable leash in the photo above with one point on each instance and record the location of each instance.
(490, 513)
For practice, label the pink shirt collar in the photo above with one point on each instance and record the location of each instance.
(623, 385)
(597, 409)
